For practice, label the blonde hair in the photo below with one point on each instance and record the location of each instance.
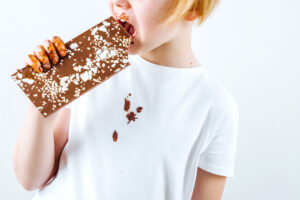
(180, 8)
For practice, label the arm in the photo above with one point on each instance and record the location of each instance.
(34, 150)
(208, 186)
(39, 147)
(216, 161)
(60, 134)
(41, 140)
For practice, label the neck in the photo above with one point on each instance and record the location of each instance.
(174, 53)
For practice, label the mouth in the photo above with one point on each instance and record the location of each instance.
(127, 26)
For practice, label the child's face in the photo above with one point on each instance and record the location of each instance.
(145, 16)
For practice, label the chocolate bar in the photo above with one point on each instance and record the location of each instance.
(92, 57)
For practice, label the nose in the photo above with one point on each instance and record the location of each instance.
(120, 7)
(121, 4)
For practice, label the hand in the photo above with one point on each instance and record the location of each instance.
(46, 54)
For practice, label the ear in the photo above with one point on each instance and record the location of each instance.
(191, 16)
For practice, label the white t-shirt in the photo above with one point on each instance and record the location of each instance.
(188, 120)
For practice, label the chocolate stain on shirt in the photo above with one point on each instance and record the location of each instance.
(126, 104)
(115, 136)
(139, 109)
(131, 116)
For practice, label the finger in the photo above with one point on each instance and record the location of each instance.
(59, 45)
(32, 61)
(40, 53)
(51, 51)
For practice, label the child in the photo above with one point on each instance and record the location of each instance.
(174, 139)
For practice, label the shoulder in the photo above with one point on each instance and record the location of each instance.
(222, 102)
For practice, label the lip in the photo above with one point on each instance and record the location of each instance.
(131, 30)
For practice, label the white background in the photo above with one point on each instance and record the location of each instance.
(252, 47)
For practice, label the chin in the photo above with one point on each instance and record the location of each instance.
(133, 50)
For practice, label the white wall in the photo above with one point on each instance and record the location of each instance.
(252, 47)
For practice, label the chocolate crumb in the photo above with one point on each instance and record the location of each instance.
(115, 136)
(131, 117)
(126, 105)
(129, 94)
(139, 109)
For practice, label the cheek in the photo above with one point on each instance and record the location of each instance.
(149, 38)
(151, 32)
(149, 15)
(109, 3)
(148, 26)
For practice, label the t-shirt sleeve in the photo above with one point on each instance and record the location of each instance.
(219, 155)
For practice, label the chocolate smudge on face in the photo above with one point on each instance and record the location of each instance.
(115, 136)
(139, 109)
(131, 117)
